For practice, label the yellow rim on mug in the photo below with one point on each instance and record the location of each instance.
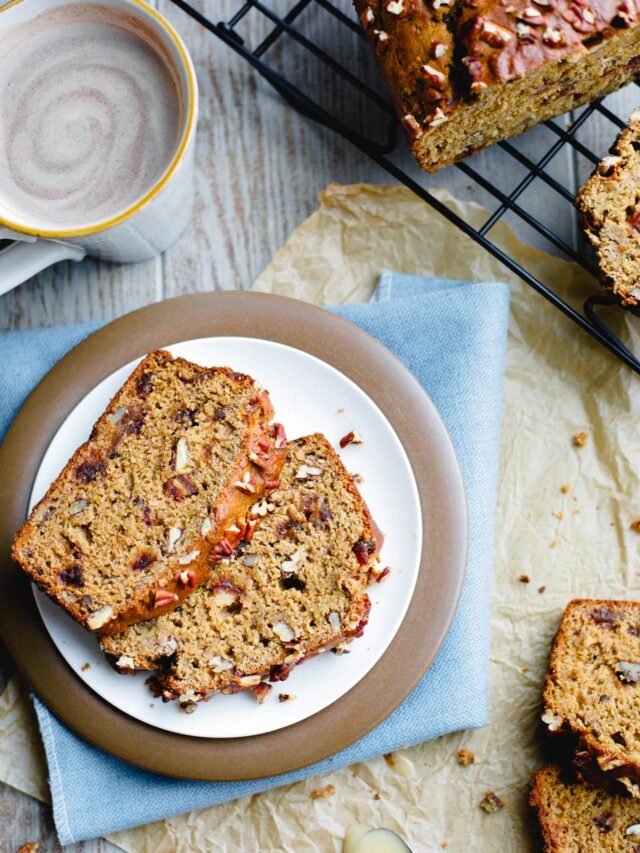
(162, 181)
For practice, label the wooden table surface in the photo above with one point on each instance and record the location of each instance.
(260, 166)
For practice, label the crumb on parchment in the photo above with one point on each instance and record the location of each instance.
(85, 666)
(565, 489)
(580, 439)
(491, 802)
(541, 589)
(465, 757)
(524, 579)
(635, 525)
(323, 793)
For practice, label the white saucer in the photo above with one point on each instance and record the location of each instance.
(308, 396)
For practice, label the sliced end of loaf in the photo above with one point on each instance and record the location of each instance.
(609, 204)
(592, 689)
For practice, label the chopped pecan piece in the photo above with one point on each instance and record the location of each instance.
(353, 437)
(465, 757)
(261, 691)
(382, 575)
(491, 802)
(412, 126)
(381, 40)
(162, 598)
(322, 793)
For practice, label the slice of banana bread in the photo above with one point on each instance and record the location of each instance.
(291, 586)
(574, 818)
(592, 690)
(609, 204)
(125, 531)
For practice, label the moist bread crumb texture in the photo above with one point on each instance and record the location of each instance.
(292, 587)
(609, 204)
(126, 531)
(574, 818)
(592, 691)
(463, 75)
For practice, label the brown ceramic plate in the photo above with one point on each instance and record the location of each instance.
(426, 442)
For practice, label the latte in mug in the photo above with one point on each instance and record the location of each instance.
(90, 114)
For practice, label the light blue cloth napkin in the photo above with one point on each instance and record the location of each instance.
(452, 336)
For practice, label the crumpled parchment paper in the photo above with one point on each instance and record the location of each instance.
(563, 521)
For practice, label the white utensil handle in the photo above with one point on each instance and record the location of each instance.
(20, 260)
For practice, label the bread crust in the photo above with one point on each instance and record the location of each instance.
(541, 778)
(231, 504)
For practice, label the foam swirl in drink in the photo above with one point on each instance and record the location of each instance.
(90, 115)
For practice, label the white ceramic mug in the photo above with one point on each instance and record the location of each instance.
(143, 230)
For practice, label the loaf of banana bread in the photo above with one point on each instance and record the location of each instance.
(464, 74)
(291, 585)
(609, 204)
(574, 818)
(126, 531)
(592, 691)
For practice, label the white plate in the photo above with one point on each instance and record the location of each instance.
(308, 396)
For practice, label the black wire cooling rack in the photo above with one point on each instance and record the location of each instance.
(363, 115)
